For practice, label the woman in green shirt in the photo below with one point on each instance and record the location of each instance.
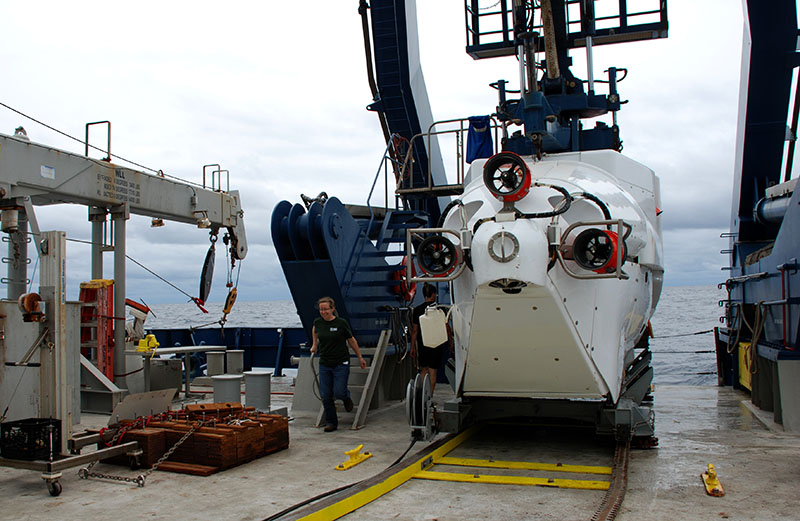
(331, 336)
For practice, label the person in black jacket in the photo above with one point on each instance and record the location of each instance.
(429, 358)
(331, 336)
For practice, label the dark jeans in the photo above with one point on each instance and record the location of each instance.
(333, 385)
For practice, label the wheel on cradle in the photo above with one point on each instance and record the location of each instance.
(419, 401)
(409, 399)
(54, 487)
(418, 407)
(427, 396)
(133, 462)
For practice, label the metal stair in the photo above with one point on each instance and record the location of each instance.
(364, 279)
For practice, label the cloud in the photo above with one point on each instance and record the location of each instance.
(277, 97)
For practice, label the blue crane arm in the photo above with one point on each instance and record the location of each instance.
(769, 57)
(401, 99)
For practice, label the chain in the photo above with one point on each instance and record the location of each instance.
(117, 435)
(170, 451)
(86, 472)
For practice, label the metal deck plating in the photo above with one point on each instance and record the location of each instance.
(696, 426)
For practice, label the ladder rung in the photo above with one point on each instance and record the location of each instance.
(376, 283)
(385, 254)
(382, 268)
(374, 298)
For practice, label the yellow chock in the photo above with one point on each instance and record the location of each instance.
(356, 457)
(711, 482)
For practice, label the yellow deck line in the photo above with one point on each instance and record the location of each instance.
(359, 499)
(513, 480)
(523, 465)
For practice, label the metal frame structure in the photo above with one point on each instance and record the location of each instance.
(36, 174)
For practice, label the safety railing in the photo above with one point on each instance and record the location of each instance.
(216, 178)
(405, 182)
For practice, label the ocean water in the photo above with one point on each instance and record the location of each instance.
(683, 350)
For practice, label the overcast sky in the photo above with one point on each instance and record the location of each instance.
(275, 92)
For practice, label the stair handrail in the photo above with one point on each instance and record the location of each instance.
(347, 281)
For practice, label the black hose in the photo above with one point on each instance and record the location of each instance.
(479, 222)
(305, 502)
(596, 200)
(328, 493)
(557, 211)
(362, 11)
(447, 208)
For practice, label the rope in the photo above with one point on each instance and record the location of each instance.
(33, 274)
(10, 400)
(194, 299)
(705, 331)
(160, 173)
(702, 351)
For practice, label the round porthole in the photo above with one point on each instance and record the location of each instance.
(503, 246)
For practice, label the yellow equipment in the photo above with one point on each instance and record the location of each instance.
(356, 457)
(148, 343)
(711, 482)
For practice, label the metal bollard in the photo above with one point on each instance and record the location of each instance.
(257, 388)
(227, 388)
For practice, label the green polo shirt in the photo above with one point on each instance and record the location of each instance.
(333, 337)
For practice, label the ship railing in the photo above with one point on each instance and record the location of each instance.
(457, 131)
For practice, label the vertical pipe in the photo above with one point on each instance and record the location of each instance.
(590, 64)
(279, 355)
(55, 399)
(18, 258)
(550, 49)
(97, 216)
(119, 214)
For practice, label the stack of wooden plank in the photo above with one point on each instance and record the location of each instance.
(207, 411)
(153, 443)
(228, 436)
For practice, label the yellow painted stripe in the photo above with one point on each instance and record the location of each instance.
(524, 465)
(513, 480)
(360, 499)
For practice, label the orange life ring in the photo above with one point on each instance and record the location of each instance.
(404, 288)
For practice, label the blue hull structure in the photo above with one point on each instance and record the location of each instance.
(758, 350)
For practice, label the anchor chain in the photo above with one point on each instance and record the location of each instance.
(86, 472)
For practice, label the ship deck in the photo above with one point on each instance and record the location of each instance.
(756, 462)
